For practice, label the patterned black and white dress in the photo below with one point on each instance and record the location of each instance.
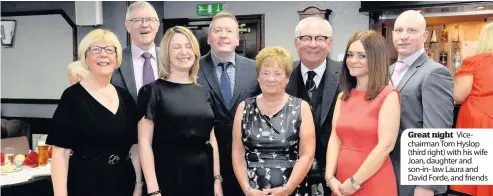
(272, 145)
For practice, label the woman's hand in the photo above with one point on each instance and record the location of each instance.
(347, 188)
(279, 191)
(255, 192)
(334, 185)
(138, 190)
(218, 188)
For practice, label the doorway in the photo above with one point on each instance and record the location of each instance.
(251, 32)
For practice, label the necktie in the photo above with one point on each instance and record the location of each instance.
(399, 67)
(147, 73)
(225, 84)
(310, 83)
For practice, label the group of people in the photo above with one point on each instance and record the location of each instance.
(178, 123)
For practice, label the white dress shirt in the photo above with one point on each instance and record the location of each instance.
(138, 64)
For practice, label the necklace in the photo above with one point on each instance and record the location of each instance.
(109, 98)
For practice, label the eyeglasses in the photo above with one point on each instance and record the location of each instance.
(275, 75)
(97, 49)
(319, 40)
(141, 20)
(410, 31)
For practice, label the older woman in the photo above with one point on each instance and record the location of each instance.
(176, 123)
(473, 89)
(76, 72)
(95, 128)
(273, 133)
(365, 122)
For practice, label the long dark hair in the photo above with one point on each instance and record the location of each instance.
(378, 64)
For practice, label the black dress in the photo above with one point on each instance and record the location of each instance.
(183, 119)
(272, 145)
(100, 142)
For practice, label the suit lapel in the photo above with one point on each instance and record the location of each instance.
(210, 75)
(128, 72)
(239, 83)
(412, 70)
(331, 84)
(292, 87)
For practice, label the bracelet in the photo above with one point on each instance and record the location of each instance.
(139, 182)
(218, 177)
(247, 190)
(155, 192)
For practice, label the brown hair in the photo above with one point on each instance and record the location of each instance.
(378, 64)
(164, 62)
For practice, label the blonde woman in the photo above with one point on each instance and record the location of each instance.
(176, 123)
(95, 129)
(76, 72)
(473, 89)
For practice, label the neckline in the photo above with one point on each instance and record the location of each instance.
(275, 114)
(99, 103)
(175, 83)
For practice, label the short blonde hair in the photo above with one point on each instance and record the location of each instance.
(486, 39)
(275, 54)
(165, 62)
(98, 35)
(77, 68)
(224, 14)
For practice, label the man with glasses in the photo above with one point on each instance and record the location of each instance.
(315, 79)
(426, 90)
(140, 59)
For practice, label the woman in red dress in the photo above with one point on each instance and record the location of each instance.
(474, 90)
(361, 140)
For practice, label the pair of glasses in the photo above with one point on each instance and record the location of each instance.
(307, 39)
(97, 49)
(141, 20)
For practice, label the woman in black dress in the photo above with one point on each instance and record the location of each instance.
(95, 128)
(273, 133)
(176, 123)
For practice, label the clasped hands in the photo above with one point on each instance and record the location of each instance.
(341, 189)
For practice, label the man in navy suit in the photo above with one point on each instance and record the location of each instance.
(231, 79)
(139, 60)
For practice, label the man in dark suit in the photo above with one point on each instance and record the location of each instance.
(139, 60)
(315, 79)
(231, 79)
(426, 91)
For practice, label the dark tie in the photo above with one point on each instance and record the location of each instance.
(225, 84)
(310, 83)
(147, 73)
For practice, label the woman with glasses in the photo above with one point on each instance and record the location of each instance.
(95, 128)
(273, 133)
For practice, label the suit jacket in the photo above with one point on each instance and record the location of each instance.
(124, 76)
(329, 97)
(426, 92)
(246, 86)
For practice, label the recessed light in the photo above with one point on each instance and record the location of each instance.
(479, 7)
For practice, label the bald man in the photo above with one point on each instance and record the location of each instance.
(426, 90)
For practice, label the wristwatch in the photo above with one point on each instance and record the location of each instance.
(355, 184)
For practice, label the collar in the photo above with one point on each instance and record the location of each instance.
(412, 58)
(216, 60)
(319, 70)
(137, 52)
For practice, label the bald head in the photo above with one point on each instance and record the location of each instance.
(409, 35)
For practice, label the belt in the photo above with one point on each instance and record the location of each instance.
(110, 159)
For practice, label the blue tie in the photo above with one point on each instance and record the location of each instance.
(225, 84)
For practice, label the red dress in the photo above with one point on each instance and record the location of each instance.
(477, 109)
(357, 129)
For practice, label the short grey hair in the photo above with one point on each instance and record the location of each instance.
(137, 5)
(307, 20)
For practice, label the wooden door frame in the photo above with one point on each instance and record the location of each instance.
(260, 31)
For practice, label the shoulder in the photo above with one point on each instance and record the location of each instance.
(244, 61)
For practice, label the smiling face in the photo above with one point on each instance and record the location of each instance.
(313, 53)
(356, 60)
(409, 35)
(223, 36)
(272, 77)
(181, 54)
(144, 26)
(101, 62)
